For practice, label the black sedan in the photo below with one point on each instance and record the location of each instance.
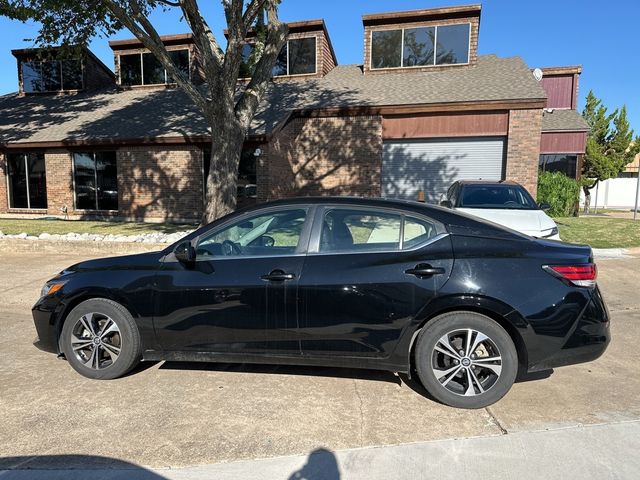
(401, 286)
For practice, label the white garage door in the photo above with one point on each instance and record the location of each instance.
(431, 166)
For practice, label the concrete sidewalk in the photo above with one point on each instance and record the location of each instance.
(595, 452)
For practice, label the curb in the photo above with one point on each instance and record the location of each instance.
(80, 247)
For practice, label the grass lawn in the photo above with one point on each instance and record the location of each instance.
(36, 227)
(600, 232)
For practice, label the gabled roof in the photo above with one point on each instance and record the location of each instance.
(563, 120)
(122, 116)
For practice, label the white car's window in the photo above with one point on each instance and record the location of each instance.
(496, 196)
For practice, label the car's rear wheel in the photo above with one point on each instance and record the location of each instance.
(100, 339)
(465, 359)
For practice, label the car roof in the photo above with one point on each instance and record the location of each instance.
(488, 182)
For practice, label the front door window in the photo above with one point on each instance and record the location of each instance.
(27, 180)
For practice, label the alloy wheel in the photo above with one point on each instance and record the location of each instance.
(466, 362)
(96, 340)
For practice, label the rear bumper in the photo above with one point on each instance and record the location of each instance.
(587, 341)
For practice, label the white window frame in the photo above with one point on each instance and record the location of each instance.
(435, 53)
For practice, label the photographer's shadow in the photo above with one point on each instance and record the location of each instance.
(321, 465)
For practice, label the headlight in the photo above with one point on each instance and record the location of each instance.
(550, 233)
(51, 288)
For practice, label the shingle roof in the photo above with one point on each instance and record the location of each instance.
(140, 114)
(563, 120)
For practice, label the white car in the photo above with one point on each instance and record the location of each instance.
(505, 203)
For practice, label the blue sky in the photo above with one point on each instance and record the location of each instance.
(602, 37)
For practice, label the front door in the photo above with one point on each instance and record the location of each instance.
(240, 295)
(366, 279)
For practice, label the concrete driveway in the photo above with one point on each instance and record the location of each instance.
(172, 415)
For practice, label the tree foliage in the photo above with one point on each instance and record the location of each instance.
(560, 192)
(227, 106)
(610, 143)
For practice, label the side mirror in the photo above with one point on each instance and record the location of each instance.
(446, 203)
(544, 206)
(185, 253)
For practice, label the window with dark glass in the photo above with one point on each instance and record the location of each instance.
(152, 70)
(386, 47)
(422, 46)
(453, 44)
(130, 69)
(418, 46)
(359, 230)
(302, 56)
(566, 164)
(298, 57)
(51, 75)
(146, 69)
(95, 178)
(27, 180)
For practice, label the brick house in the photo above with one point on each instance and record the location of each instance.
(423, 110)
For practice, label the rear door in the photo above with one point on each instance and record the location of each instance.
(367, 275)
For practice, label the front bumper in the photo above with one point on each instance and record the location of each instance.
(587, 341)
(44, 318)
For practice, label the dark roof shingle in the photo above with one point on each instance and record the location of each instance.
(563, 120)
(145, 114)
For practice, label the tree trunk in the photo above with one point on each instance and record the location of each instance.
(587, 197)
(222, 180)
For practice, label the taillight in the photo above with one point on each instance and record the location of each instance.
(580, 275)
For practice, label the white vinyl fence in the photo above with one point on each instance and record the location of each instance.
(613, 193)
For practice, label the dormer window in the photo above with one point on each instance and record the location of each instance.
(297, 57)
(421, 46)
(51, 75)
(145, 69)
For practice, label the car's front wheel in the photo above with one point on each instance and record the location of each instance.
(465, 359)
(100, 339)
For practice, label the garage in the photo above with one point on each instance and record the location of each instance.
(431, 166)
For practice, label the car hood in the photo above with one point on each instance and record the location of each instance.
(531, 222)
(126, 262)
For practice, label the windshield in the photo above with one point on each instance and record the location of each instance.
(496, 196)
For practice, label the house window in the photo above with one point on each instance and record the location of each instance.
(419, 47)
(27, 180)
(95, 180)
(146, 69)
(51, 75)
(566, 164)
(297, 57)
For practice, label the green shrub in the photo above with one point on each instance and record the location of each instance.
(559, 191)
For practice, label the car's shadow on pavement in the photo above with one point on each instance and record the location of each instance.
(333, 372)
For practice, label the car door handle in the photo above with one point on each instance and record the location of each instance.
(277, 276)
(424, 270)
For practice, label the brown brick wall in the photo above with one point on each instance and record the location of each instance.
(95, 77)
(59, 171)
(3, 184)
(523, 148)
(156, 183)
(473, 43)
(323, 156)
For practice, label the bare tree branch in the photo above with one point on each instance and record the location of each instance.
(144, 31)
(210, 50)
(276, 37)
(251, 13)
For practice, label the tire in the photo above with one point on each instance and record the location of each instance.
(100, 339)
(471, 382)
